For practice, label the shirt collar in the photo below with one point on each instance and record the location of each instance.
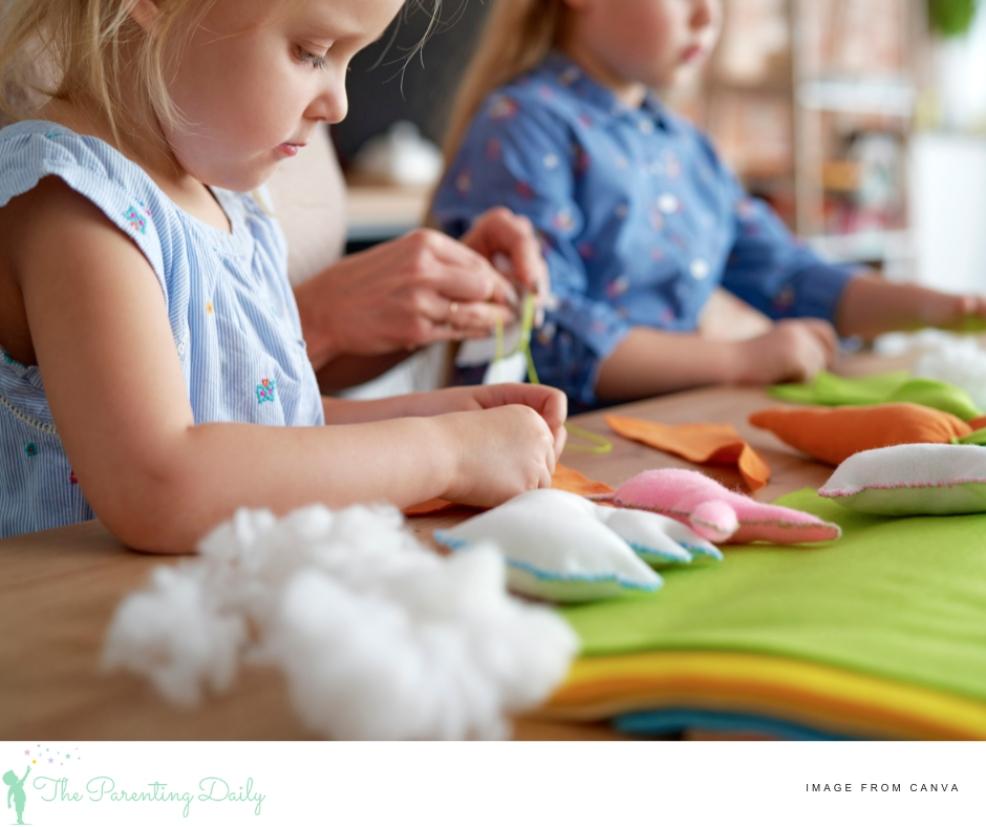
(567, 73)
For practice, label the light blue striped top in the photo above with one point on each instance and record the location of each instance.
(232, 313)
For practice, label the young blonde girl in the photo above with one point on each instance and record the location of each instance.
(558, 119)
(153, 370)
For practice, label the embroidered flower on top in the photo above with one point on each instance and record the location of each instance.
(136, 221)
(10, 360)
(266, 390)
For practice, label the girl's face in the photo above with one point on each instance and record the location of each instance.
(253, 83)
(644, 41)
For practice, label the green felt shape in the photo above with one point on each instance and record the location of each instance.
(899, 386)
(975, 438)
(902, 599)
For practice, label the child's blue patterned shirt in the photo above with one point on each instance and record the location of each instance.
(233, 316)
(639, 218)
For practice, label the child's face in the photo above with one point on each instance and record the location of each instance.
(258, 77)
(646, 41)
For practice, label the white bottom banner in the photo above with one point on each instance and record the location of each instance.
(543, 783)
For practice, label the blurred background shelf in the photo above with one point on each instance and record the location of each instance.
(813, 107)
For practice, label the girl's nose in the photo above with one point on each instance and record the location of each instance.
(331, 105)
(704, 13)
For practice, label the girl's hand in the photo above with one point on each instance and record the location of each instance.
(549, 402)
(947, 310)
(793, 350)
(496, 454)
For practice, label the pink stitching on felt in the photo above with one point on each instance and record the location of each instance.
(843, 492)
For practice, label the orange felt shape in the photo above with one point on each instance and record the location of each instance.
(703, 443)
(564, 478)
(835, 434)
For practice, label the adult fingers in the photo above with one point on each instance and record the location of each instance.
(503, 232)
(481, 283)
(480, 316)
(459, 271)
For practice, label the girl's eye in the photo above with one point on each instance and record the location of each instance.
(318, 61)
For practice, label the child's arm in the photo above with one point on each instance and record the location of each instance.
(550, 403)
(870, 305)
(649, 362)
(159, 481)
(27, 772)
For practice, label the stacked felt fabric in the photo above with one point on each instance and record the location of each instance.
(882, 634)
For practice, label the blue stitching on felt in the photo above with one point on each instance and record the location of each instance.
(457, 544)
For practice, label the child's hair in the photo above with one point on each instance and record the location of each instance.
(81, 49)
(84, 48)
(516, 37)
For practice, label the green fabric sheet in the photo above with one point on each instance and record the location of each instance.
(903, 599)
(828, 389)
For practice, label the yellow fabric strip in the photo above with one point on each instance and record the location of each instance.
(821, 696)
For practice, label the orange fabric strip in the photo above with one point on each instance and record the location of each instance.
(710, 443)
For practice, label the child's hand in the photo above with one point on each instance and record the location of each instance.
(948, 310)
(549, 402)
(792, 350)
(497, 454)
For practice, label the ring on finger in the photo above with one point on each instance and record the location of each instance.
(453, 311)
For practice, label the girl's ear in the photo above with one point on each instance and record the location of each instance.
(145, 14)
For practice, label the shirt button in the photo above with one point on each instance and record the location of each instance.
(668, 203)
(181, 348)
(647, 127)
(700, 269)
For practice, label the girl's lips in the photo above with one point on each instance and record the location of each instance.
(692, 53)
(290, 150)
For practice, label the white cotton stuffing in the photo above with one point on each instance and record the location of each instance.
(378, 636)
(947, 357)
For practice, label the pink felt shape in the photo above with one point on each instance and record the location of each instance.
(717, 513)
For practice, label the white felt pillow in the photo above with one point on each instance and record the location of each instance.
(556, 547)
(912, 479)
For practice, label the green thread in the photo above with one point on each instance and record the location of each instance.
(591, 442)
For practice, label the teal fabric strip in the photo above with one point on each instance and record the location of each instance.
(673, 721)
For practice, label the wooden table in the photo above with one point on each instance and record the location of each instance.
(59, 589)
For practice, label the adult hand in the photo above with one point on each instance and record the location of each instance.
(404, 294)
(500, 234)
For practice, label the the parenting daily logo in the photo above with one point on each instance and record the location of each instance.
(43, 777)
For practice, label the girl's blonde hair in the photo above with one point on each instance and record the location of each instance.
(93, 51)
(517, 35)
